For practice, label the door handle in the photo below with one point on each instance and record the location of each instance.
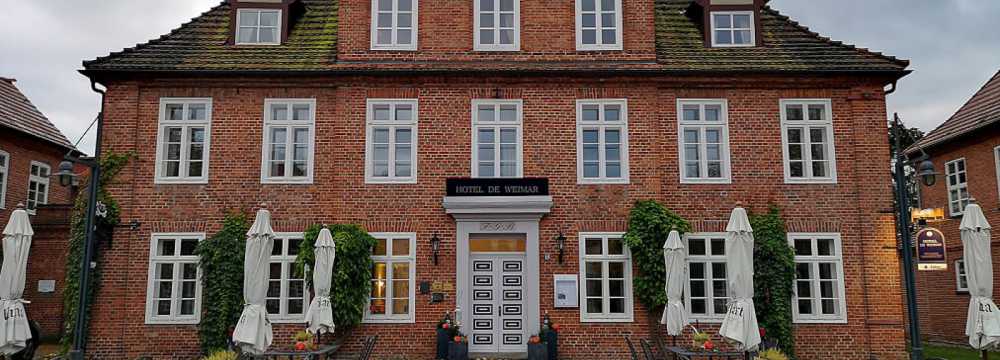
(499, 310)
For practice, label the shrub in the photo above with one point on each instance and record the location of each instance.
(649, 224)
(352, 270)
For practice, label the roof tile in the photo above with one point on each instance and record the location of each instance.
(18, 113)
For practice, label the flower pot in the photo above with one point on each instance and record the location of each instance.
(538, 351)
(551, 339)
(458, 351)
(442, 344)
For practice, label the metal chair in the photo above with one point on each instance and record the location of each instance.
(631, 348)
(646, 349)
(367, 347)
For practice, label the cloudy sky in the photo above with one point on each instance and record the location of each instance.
(949, 42)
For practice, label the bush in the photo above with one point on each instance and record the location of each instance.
(352, 270)
(221, 262)
(649, 224)
(774, 276)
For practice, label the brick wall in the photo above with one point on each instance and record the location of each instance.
(942, 309)
(24, 149)
(852, 206)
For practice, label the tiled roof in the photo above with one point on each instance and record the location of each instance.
(982, 110)
(311, 47)
(18, 113)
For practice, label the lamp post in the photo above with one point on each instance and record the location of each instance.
(927, 175)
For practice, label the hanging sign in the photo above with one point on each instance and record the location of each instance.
(931, 250)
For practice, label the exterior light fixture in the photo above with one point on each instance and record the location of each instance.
(560, 245)
(926, 173)
(435, 246)
(65, 174)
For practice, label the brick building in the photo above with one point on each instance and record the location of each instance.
(966, 150)
(31, 148)
(358, 111)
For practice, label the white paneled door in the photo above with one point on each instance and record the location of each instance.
(498, 303)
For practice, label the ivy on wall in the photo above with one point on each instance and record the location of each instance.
(774, 276)
(111, 165)
(649, 224)
(352, 270)
(221, 262)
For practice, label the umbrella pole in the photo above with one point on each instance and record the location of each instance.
(985, 355)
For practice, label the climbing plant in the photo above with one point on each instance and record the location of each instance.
(221, 262)
(105, 221)
(774, 276)
(649, 224)
(352, 270)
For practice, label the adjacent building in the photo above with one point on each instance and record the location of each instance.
(499, 127)
(966, 150)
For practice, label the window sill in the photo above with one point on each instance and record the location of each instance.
(388, 321)
(477, 48)
(819, 321)
(706, 319)
(723, 181)
(287, 181)
(733, 45)
(287, 320)
(162, 181)
(588, 181)
(390, 48)
(172, 322)
(628, 319)
(599, 48)
(817, 181)
(373, 181)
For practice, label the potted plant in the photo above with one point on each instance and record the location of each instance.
(537, 350)
(550, 336)
(458, 348)
(304, 341)
(446, 330)
(699, 339)
(771, 354)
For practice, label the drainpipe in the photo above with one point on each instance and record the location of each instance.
(79, 333)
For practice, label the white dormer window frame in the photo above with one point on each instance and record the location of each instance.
(394, 27)
(732, 29)
(257, 26)
(594, 19)
(503, 17)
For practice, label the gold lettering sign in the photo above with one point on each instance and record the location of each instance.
(442, 286)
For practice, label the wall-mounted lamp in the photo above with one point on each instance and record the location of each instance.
(560, 245)
(435, 246)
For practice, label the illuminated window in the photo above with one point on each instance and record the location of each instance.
(606, 271)
(819, 278)
(286, 287)
(392, 296)
(707, 288)
(958, 186)
(173, 295)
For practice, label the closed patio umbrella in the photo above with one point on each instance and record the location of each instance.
(320, 314)
(675, 259)
(983, 322)
(253, 332)
(14, 331)
(740, 323)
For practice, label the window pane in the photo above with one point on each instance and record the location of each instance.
(697, 270)
(718, 247)
(269, 35)
(803, 271)
(380, 247)
(486, 5)
(696, 247)
(608, 37)
(589, 37)
(698, 306)
(508, 113)
(723, 21)
(803, 247)
(587, 5)
(616, 270)
(381, 112)
(595, 306)
(724, 37)
(793, 112)
(486, 37)
(405, 5)
(591, 112)
(506, 5)
(594, 270)
(188, 246)
(167, 248)
(608, 20)
(384, 20)
(817, 112)
(404, 20)
(403, 36)
(401, 247)
(617, 306)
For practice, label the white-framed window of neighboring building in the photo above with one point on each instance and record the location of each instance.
(391, 141)
(958, 186)
(602, 141)
(704, 146)
(38, 185)
(258, 27)
(289, 140)
(598, 24)
(819, 295)
(961, 279)
(173, 294)
(394, 25)
(707, 287)
(807, 141)
(497, 25)
(4, 170)
(496, 139)
(392, 298)
(182, 152)
(733, 29)
(606, 276)
(287, 295)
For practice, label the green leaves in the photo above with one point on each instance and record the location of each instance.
(221, 262)
(774, 276)
(351, 270)
(649, 224)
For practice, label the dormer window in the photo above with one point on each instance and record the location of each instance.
(733, 29)
(258, 27)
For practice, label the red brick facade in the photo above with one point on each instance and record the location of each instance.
(943, 309)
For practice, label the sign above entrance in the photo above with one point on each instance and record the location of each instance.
(498, 187)
(931, 250)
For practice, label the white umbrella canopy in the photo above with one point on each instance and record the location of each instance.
(740, 323)
(253, 332)
(983, 322)
(675, 259)
(320, 314)
(14, 331)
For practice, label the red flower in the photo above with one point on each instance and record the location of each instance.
(555, 327)
(445, 326)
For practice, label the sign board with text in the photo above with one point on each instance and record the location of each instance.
(931, 250)
(498, 187)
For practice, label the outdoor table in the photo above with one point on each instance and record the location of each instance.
(685, 354)
(325, 352)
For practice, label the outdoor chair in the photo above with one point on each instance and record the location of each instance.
(367, 347)
(647, 350)
(631, 348)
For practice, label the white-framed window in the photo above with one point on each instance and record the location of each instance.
(598, 24)
(602, 141)
(394, 24)
(392, 141)
(703, 128)
(38, 185)
(497, 25)
(289, 138)
(287, 294)
(258, 27)
(606, 274)
(958, 186)
(183, 140)
(961, 279)
(707, 287)
(4, 170)
(733, 29)
(807, 141)
(819, 278)
(393, 279)
(173, 294)
(496, 139)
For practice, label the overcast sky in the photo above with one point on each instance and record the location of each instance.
(952, 48)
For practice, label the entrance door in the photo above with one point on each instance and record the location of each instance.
(498, 306)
